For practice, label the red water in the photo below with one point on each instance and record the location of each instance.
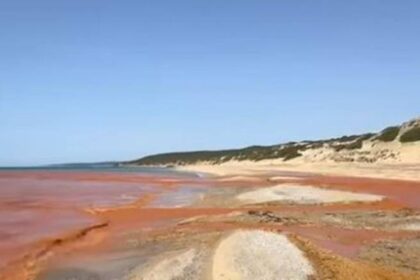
(38, 205)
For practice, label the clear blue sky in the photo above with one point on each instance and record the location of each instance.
(113, 80)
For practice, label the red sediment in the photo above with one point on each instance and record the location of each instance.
(36, 207)
(44, 211)
(329, 208)
(340, 241)
(405, 193)
(345, 242)
(26, 266)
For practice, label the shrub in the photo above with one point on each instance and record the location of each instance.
(411, 135)
(290, 152)
(388, 134)
(349, 146)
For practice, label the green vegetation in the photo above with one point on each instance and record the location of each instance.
(388, 134)
(253, 153)
(290, 152)
(351, 142)
(345, 138)
(285, 151)
(411, 135)
(366, 136)
(349, 146)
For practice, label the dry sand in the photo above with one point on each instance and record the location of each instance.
(304, 195)
(169, 268)
(283, 178)
(256, 254)
(239, 178)
(401, 171)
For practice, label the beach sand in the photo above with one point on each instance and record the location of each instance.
(398, 171)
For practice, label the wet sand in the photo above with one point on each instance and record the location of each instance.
(120, 225)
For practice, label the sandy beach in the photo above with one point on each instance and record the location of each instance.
(399, 171)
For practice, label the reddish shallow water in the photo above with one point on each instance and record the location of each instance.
(38, 205)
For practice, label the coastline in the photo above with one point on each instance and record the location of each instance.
(395, 171)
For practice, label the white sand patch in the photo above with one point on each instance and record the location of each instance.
(410, 226)
(256, 254)
(279, 178)
(169, 268)
(240, 178)
(304, 195)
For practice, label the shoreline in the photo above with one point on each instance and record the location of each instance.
(406, 172)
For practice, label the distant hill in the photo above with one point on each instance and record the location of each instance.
(387, 145)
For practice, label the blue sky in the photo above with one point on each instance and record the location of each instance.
(113, 80)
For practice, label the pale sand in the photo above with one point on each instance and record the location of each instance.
(414, 226)
(239, 178)
(170, 268)
(247, 168)
(257, 254)
(282, 178)
(405, 165)
(304, 195)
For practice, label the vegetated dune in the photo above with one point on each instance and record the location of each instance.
(393, 152)
(395, 143)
